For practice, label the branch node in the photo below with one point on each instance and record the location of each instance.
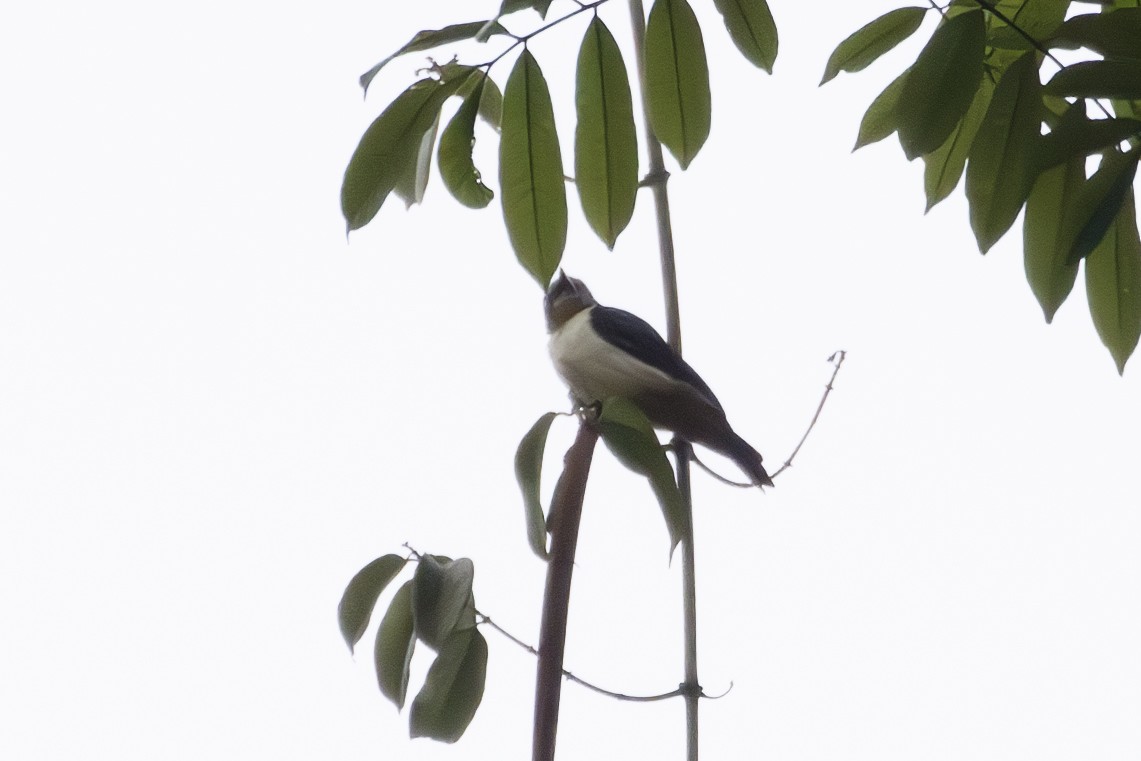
(657, 177)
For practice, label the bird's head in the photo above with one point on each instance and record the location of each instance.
(566, 297)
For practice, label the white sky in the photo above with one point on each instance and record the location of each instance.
(213, 411)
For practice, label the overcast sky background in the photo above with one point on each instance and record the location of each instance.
(214, 410)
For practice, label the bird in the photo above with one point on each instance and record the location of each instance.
(601, 351)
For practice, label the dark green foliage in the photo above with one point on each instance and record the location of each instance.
(442, 598)
(628, 434)
(395, 643)
(871, 41)
(433, 38)
(391, 147)
(752, 29)
(531, 172)
(1083, 136)
(1049, 210)
(453, 688)
(456, 166)
(606, 142)
(1099, 79)
(528, 472)
(941, 84)
(879, 120)
(677, 79)
(1113, 35)
(1113, 284)
(1001, 166)
(359, 598)
(974, 96)
(436, 607)
(1097, 202)
(944, 166)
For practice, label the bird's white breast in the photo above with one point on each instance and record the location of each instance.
(595, 369)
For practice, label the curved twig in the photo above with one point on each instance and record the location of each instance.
(727, 481)
(837, 358)
(485, 619)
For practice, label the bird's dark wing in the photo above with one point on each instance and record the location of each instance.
(638, 338)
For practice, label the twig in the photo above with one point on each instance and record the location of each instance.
(727, 481)
(1037, 45)
(522, 39)
(837, 359)
(484, 619)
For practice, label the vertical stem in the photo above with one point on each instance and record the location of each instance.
(657, 181)
(566, 510)
(689, 603)
(657, 178)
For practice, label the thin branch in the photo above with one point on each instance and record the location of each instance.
(484, 619)
(727, 481)
(522, 39)
(1034, 42)
(837, 359)
(994, 11)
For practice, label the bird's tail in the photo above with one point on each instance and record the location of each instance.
(748, 460)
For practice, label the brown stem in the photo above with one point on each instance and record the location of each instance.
(566, 512)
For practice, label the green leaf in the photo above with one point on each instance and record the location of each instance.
(528, 472)
(879, 120)
(1082, 137)
(941, 84)
(605, 140)
(1048, 209)
(1126, 109)
(508, 7)
(628, 433)
(359, 598)
(457, 168)
(442, 598)
(1113, 35)
(391, 145)
(1001, 168)
(1113, 284)
(752, 29)
(943, 167)
(1098, 79)
(452, 690)
(1097, 203)
(433, 38)
(1039, 19)
(531, 172)
(869, 42)
(395, 642)
(677, 79)
(414, 181)
(514, 6)
(491, 104)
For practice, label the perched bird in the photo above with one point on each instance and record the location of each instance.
(601, 352)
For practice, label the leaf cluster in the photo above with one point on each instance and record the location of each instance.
(629, 435)
(973, 103)
(436, 607)
(395, 153)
